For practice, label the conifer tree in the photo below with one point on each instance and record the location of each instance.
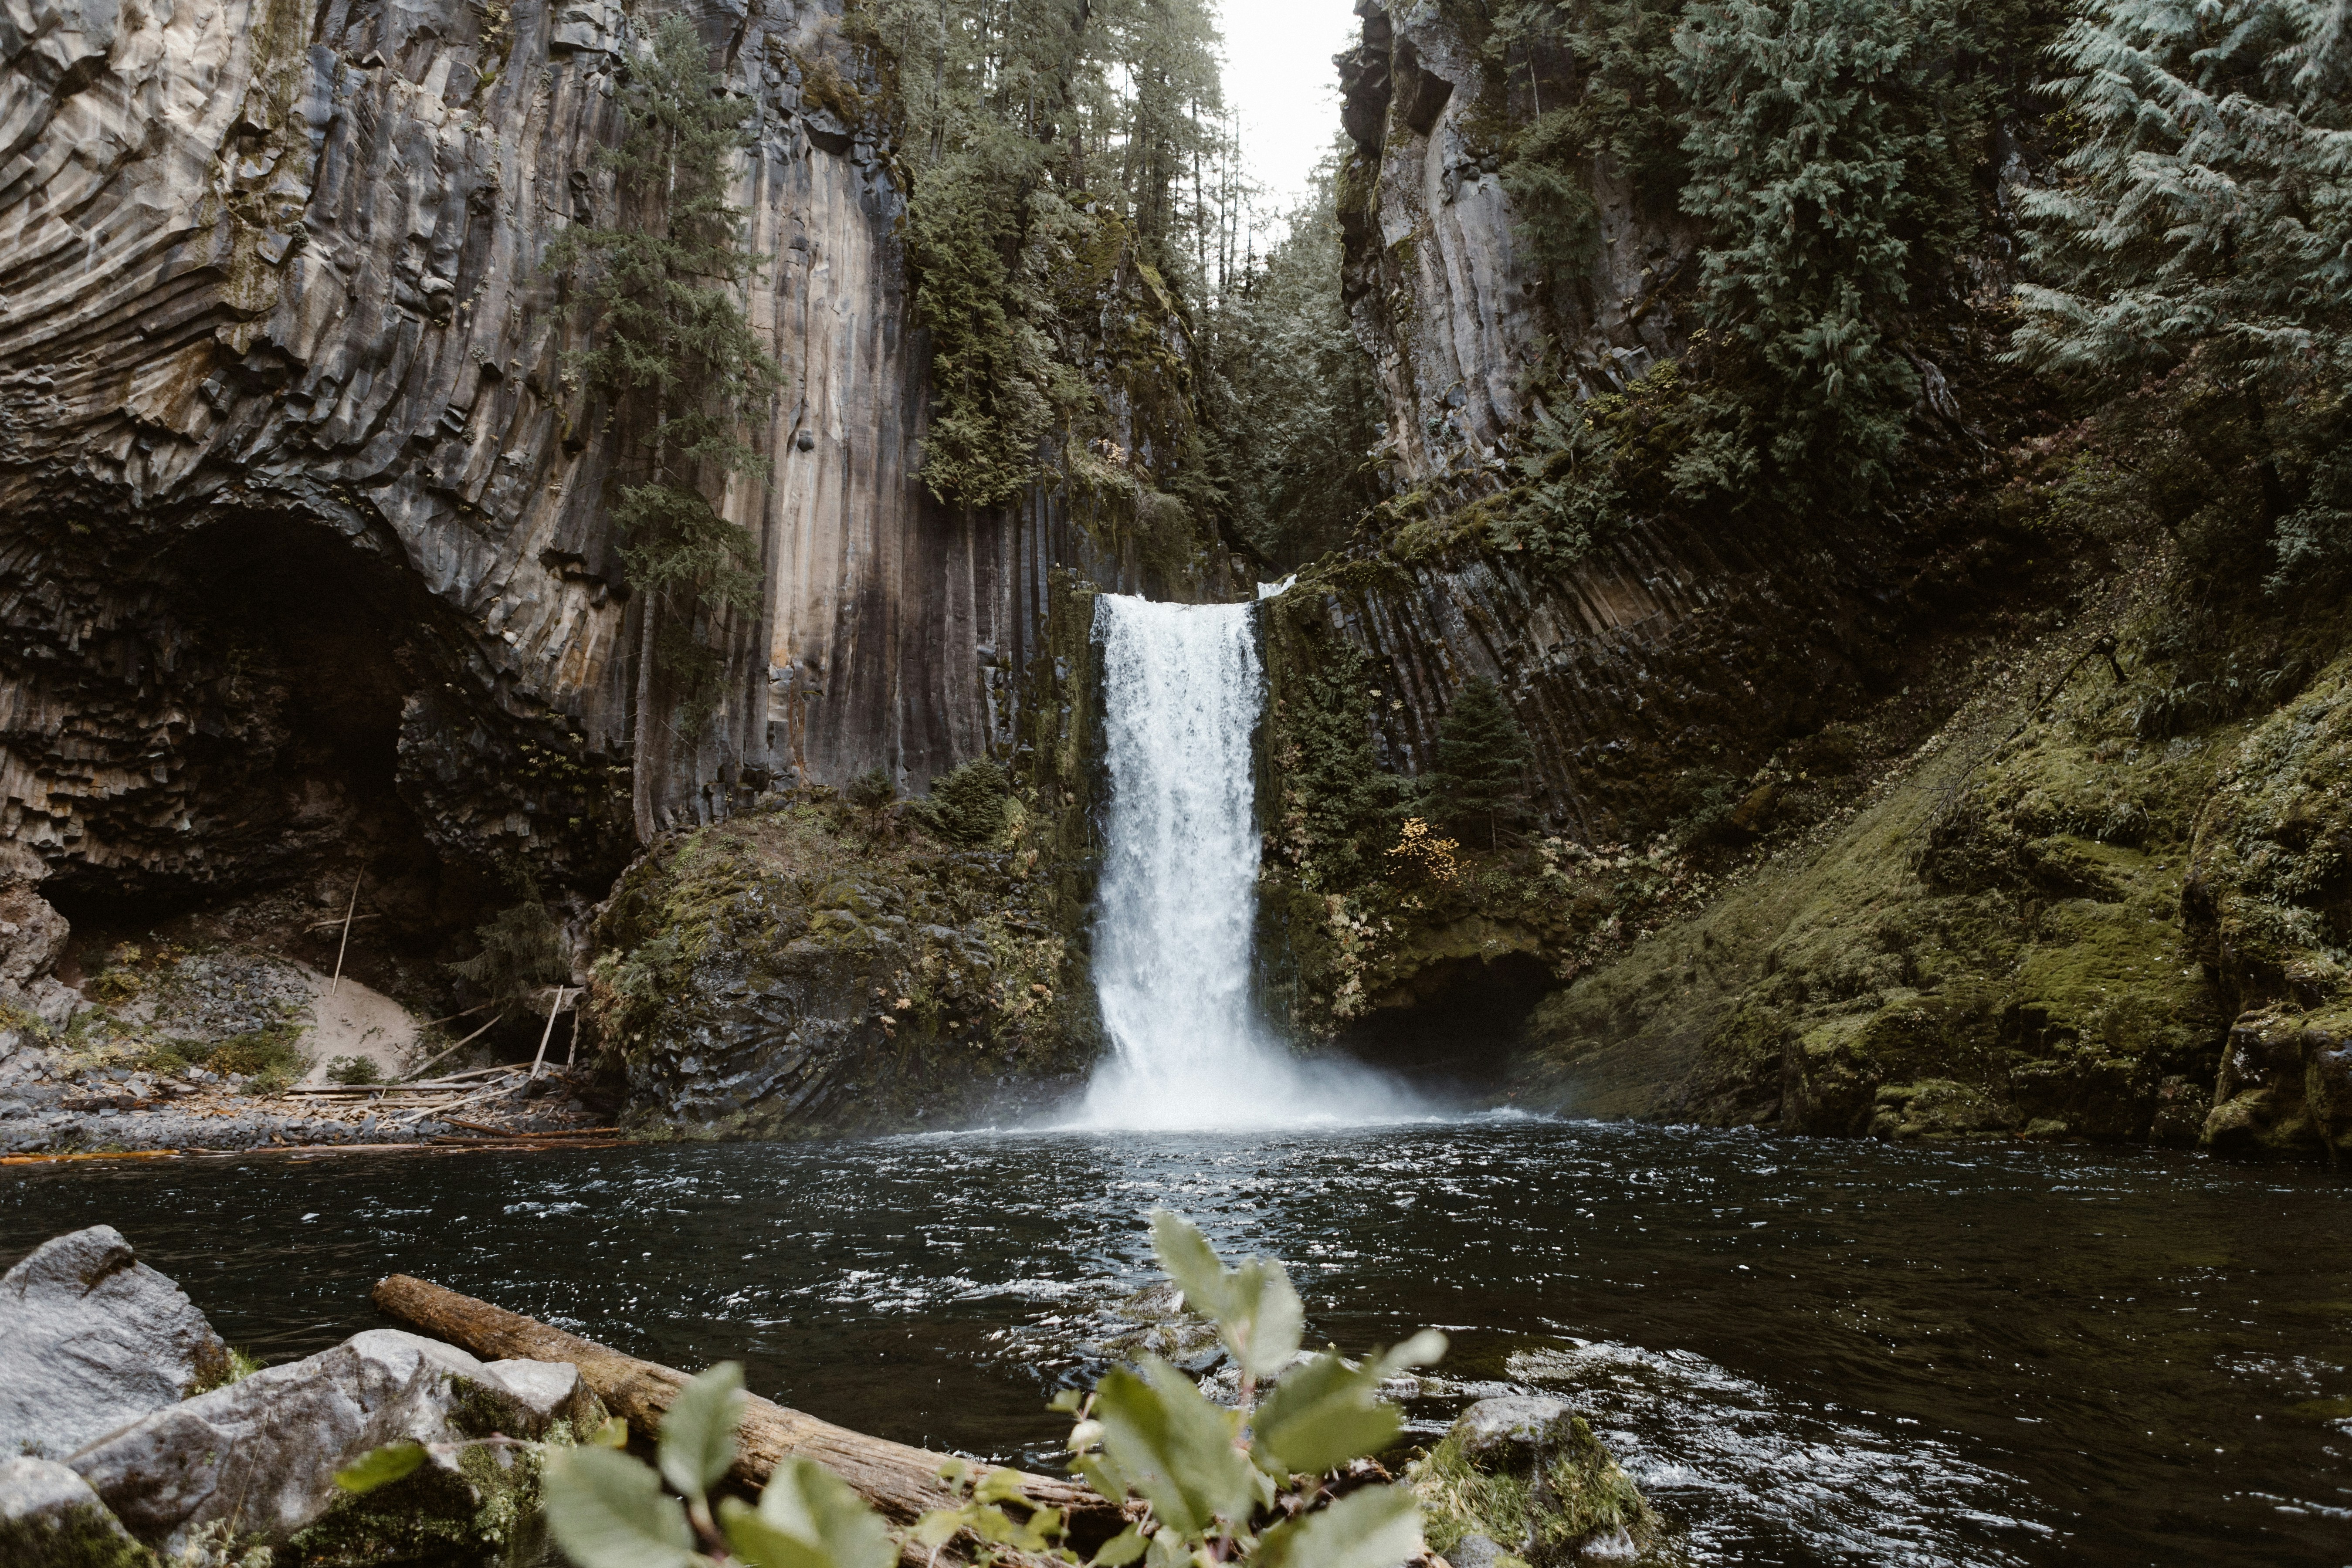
(522, 950)
(676, 354)
(1295, 395)
(1338, 805)
(1037, 137)
(1828, 150)
(969, 804)
(2210, 201)
(1477, 777)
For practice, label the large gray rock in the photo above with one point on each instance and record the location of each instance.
(90, 1340)
(50, 1519)
(32, 937)
(262, 1454)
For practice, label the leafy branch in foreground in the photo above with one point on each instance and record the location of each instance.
(1258, 1482)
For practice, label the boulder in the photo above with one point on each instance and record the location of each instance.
(1519, 1479)
(91, 1339)
(32, 937)
(1512, 1429)
(50, 1519)
(260, 1456)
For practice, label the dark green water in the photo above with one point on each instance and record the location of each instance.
(1808, 1351)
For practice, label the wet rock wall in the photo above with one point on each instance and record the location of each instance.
(305, 514)
(1439, 275)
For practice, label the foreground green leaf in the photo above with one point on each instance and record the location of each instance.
(1174, 1446)
(1263, 1319)
(607, 1511)
(811, 1505)
(1426, 1348)
(1191, 1263)
(1256, 1311)
(697, 1436)
(1378, 1526)
(1322, 1416)
(1120, 1549)
(760, 1545)
(379, 1469)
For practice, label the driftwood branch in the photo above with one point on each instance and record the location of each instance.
(345, 945)
(901, 1482)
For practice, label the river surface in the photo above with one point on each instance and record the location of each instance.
(1808, 1352)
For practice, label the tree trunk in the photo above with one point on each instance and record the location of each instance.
(641, 786)
(901, 1482)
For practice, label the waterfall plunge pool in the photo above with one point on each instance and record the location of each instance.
(1808, 1352)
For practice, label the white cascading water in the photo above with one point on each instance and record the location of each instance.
(1182, 691)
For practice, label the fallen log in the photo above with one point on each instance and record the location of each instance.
(901, 1481)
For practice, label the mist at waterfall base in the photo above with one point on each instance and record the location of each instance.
(1176, 910)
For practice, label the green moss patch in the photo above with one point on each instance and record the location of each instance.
(1572, 1493)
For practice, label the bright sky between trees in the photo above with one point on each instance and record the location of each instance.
(1279, 79)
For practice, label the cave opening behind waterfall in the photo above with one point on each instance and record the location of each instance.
(291, 652)
(1457, 1026)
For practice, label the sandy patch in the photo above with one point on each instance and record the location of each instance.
(354, 1021)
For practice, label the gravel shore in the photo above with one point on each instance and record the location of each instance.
(43, 1110)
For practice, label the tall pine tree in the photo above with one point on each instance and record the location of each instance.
(674, 347)
(1829, 153)
(1477, 775)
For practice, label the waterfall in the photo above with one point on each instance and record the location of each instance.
(1177, 904)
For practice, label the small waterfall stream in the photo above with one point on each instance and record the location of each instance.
(1176, 910)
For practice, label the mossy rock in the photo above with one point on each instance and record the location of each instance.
(1526, 1474)
(50, 1519)
(1937, 1107)
(483, 1513)
(811, 968)
(2285, 1086)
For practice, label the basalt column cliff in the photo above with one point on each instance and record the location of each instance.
(306, 513)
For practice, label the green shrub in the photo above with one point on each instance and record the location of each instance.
(271, 1057)
(969, 804)
(354, 1070)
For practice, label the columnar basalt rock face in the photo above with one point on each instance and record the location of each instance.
(307, 513)
(1674, 643)
(1663, 650)
(1439, 279)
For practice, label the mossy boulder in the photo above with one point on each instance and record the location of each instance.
(2285, 1087)
(50, 1518)
(1526, 1474)
(2269, 892)
(808, 968)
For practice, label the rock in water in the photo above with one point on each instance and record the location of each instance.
(1491, 1429)
(50, 1519)
(262, 1454)
(91, 1339)
(1519, 1481)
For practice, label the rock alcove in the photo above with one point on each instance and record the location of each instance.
(1455, 1024)
(255, 726)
